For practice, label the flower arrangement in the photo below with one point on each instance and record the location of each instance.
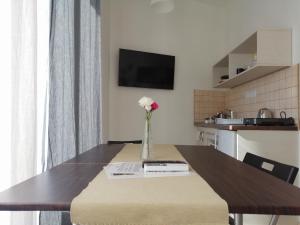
(149, 105)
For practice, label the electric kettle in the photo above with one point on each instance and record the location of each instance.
(264, 113)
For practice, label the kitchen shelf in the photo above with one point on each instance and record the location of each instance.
(250, 74)
(264, 52)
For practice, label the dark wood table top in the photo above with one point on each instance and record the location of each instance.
(245, 189)
(54, 189)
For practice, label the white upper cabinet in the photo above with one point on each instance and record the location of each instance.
(264, 52)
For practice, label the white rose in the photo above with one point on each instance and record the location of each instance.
(146, 102)
(148, 107)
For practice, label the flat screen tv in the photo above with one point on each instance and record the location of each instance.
(147, 70)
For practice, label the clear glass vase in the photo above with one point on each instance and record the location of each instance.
(147, 147)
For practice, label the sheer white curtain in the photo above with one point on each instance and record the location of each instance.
(5, 100)
(23, 91)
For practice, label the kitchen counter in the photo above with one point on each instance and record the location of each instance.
(244, 127)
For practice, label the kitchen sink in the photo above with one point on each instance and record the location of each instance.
(229, 121)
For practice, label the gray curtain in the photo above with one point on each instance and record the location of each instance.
(74, 99)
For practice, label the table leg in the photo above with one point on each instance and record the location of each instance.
(238, 219)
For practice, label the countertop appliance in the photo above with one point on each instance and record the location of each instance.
(264, 113)
(270, 121)
(257, 121)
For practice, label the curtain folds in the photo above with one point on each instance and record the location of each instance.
(29, 73)
(74, 96)
(61, 129)
(89, 76)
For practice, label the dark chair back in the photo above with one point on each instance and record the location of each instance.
(125, 142)
(282, 171)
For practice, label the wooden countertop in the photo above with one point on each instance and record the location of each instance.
(244, 127)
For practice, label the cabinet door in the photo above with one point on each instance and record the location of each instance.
(226, 142)
(206, 136)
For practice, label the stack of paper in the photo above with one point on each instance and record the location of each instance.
(123, 170)
(165, 166)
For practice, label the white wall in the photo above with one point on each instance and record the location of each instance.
(195, 33)
(246, 16)
(105, 47)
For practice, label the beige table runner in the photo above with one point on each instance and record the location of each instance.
(186, 200)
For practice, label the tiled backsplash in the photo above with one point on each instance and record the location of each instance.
(277, 91)
(207, 103)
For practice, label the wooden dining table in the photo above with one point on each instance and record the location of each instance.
(245, 189)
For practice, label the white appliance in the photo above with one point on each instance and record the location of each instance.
(226, 142)
(222, 140)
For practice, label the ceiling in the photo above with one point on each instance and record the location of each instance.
(214, 2)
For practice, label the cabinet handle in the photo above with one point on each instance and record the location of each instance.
(216, 141)
(201, 136)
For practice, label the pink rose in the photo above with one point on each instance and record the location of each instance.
(154, 106)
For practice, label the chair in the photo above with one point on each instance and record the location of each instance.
(125, 142)
(282, 171)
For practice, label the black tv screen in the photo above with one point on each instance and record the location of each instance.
(147, 70)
